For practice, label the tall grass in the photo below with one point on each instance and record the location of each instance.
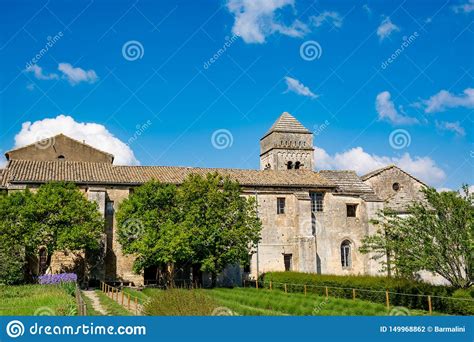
(29, 300)
(180, 302)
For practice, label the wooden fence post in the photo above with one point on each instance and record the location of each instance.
(136, 305)
(305, 289)
(122, 296)
(286, 288)
(430, 307)
(353, 294)
(327, 292)
(387, 299)
(256, 284)
(270, 284)
(244, 283)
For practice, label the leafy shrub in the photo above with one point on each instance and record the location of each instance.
(341, 287)
(11, 265)
(462, 305)
(180, 302)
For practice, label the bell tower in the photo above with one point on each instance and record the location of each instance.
(288, 145)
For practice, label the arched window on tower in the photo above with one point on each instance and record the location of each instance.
(297, 165)
(289, 165)
(346, 254)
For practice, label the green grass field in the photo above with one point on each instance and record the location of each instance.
(111, 306)
(29, 300)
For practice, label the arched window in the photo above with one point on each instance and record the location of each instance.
(42, 260)
(297, 165)
(346, 254)
(61, 157)
(289, 165)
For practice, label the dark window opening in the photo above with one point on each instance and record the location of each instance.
(287, 259)
(297, 165)
(396, 186)
(317, 201)
(351, 210)
(61, 157)
(289, 165)
(346, 254)
(43, 260)
(280, 205)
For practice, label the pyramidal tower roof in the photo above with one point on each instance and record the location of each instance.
(287, 123)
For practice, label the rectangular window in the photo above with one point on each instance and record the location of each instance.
(317, 201)
(351, 210)
(288, 262)
(280, 205)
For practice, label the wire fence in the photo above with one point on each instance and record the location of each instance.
(391, 298)
(130, 302)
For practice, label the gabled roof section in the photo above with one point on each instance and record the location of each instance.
(38, 172)
(388, 167)
(56, 138)
(349, 182)
(287, 123)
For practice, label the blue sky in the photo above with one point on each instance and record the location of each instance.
(198, 83)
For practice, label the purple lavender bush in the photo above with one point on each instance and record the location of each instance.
(67, 281)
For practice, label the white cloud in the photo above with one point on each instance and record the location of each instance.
(387, 111)
(362, 162)
(327, 16)
(93, 134)
(256, 19)
(386, 28)
(451, 126)
(299, 88)
(3, 162)
(39, 74)
(467, 7)
(77, 75)
(445, 100)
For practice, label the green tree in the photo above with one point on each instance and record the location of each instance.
(149, 227)
(436, 235)
(205, 221)
(223, 223)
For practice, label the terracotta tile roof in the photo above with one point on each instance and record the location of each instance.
(349, 182)
(30, 171)
(388, 167)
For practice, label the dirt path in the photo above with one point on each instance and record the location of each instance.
(95, 301)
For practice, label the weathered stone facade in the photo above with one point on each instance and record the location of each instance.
(312, 221)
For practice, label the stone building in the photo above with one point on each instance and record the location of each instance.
(313, 221)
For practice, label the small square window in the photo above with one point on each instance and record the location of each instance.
(280, 205)
(317, 201)
(351, 210)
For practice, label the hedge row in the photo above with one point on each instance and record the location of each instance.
(407, 293)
